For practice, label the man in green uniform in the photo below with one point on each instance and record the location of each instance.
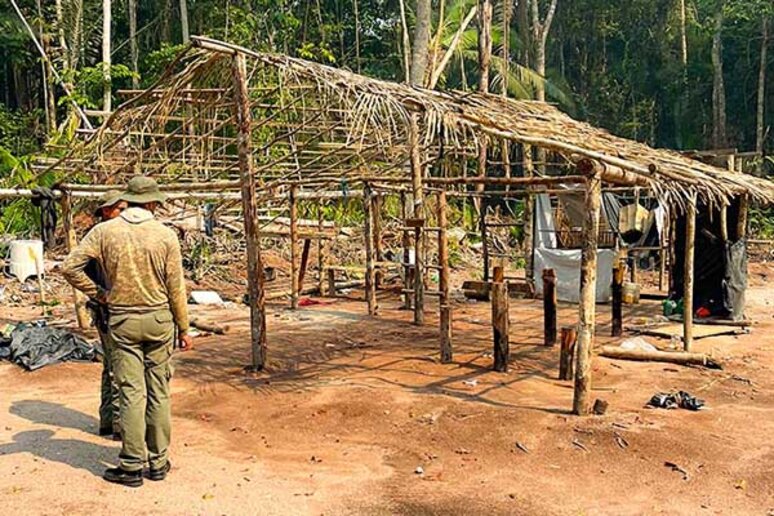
(109, 421)
(147, 300)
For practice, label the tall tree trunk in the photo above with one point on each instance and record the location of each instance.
(683, 38)
(134, 52)
(184, 21)
(406, 43)
(357, 34)
(47, 77)
(506, 47)
(107, 86)
(719, 139)
(540, 30)
(484, 43)
(421, 42)
(522, 19)
(759, 129)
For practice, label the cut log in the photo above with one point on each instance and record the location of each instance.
(217, 329)
(673, 357)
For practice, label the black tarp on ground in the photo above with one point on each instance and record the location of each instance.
(720, 269)
(33, 347)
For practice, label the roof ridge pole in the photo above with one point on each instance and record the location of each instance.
(588, 288)
(250, 211)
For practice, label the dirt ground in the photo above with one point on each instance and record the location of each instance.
(350, 407)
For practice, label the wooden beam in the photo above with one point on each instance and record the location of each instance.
(250, 211)
(588, 284)
(406, 243)
(376, 213)
(293, 207)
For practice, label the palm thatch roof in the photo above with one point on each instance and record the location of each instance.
(320, 125)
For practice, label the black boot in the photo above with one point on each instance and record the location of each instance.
(160, 473)
(125, 478)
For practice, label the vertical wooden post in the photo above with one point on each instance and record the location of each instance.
(588, 287)
(443, 280)
(741, 227)
(662, 252)
(331, 283)
(690, 243)
(250, 210)
(370, 277)
(304, 263)
(378, 202)
(549, 307)
(529, 218)
(417, 175)
(406, 243)
(71, 240)
(569, 336)
(484, 235)
(293, 204)
(500, 322)
(617, 291)
(320, 248)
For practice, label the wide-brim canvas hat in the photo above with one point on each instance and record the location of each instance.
(108, 199)
(141, 190)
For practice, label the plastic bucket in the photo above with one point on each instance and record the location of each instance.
(25, 259)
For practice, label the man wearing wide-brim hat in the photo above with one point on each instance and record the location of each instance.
(110, 206)
(147, 301)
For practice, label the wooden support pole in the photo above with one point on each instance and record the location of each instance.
(567, 351)
(484, 236)
(662, 252)
(293, 204)
(443, 280)
(331, 283)
(529, 217)
(549, 307)
(617, 291)
(304, 263)
(370, 277)
(588, 287)
(250, 210)
(500, 325)
(690, 244)
(417, 175)
(406, 243)
(81, 314)
(320, 249)
(376, 213)
(741, 227)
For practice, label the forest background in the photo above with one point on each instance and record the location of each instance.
(682, 74)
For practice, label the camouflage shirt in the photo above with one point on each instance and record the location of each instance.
(141, 260)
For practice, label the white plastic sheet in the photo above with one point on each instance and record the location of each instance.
(566, 263)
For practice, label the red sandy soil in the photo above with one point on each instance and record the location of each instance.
(350, 406)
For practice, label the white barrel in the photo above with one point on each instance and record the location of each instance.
(26, 259)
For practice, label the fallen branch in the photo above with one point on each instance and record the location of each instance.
(209, 327)
(673, 357)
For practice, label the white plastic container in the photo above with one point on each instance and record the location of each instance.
(25, 259)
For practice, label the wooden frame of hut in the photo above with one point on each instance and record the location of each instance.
(231, 125)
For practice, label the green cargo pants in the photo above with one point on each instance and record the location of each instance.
(143, 347)
(109, 419)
